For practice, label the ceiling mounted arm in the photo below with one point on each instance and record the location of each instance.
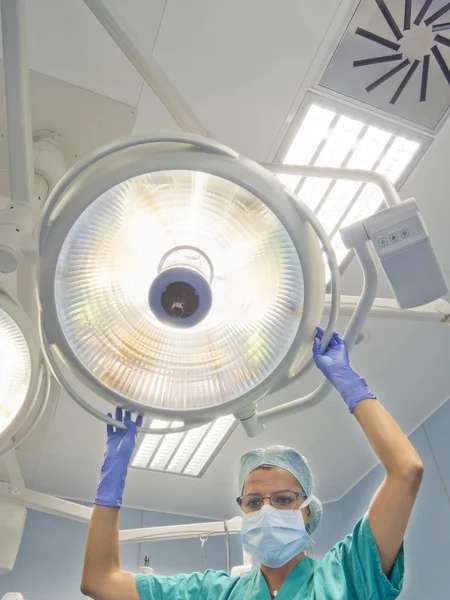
(17, 92)
(356, 322)
(115, 24)
(356, 237)
(390, 194)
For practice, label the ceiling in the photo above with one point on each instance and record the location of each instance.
(244, 68)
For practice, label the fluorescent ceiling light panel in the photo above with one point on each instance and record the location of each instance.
(187, 453)
(148, 445)
(209, 444)
(312, 131)
(327, 138)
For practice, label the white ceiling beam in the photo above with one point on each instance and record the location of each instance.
(45, 503)
(387, 308)
(17, 100)
(117, 27)
(71, 510)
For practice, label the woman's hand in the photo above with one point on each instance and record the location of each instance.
(335, 365)
(120, 444)
(102, 577)
(392, 504)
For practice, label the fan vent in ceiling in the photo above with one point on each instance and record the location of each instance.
(396, 58)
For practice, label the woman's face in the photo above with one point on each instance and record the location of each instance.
(265, 481)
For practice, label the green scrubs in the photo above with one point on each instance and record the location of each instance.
(349, 571)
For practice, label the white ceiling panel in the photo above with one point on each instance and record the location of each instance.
(152, 116)
(66, 41)
(28, 463)
(240, 64)
(3, 471)
(144, 16)
(85, 120)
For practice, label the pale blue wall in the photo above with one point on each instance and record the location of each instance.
(427, 557)
(49, 563)
(331, 531)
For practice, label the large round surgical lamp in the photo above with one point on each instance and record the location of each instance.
(24, 377)
(182, 281)
(177, 279)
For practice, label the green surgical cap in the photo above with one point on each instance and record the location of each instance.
(293, 462)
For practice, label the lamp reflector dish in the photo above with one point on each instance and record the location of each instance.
(112, 255)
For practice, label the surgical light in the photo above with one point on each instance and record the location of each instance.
(184, 282)
(136, 305)
(177, 279)
(24, 378)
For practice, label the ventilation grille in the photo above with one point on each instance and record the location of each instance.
(396, 58)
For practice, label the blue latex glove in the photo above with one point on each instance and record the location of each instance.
(119, 448)
(334, 364)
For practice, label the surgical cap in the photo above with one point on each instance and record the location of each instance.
(293, 462)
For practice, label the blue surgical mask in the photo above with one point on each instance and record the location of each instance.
(273, 537)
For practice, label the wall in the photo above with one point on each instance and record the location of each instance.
(331, 531)
(50, 558)
(427, 561)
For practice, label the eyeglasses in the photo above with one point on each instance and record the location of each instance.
(283, 500)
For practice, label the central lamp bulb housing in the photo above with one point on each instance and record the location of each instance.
(180, 295)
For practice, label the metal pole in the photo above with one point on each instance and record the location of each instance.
(390, 194)
(146, 66)
(386, 308)
(17, 97)
(227, 549)
(181, 532)
(78, 512)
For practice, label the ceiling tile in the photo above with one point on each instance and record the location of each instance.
(66, 41)
(240, 64)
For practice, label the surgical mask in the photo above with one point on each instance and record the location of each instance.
(274, 537)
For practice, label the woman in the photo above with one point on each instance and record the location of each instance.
(279, 514)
